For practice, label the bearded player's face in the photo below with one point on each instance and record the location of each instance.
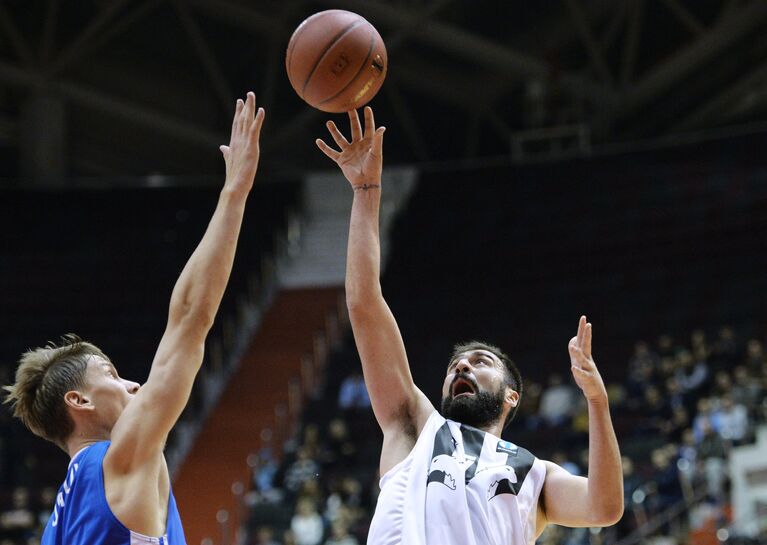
(474, 389)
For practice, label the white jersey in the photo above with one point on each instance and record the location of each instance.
(459, 486)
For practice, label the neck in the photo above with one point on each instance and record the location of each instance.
(494, 428)
(78, 441)
(75, 445)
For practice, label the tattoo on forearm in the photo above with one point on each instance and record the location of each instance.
(366, 187)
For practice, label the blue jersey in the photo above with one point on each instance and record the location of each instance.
(82, 516)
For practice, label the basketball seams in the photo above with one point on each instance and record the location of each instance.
(364, 65)
(330, 45)
(297, 34)
(332, 70)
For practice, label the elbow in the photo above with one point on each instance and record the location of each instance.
(360, 304)
(609, 514)
(193, 317)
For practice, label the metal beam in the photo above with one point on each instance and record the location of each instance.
(635, 16)
(206, 56)
(49, 31)
(721, 107)
(685, 17)
(239, 15)
(667, 74)
(476, 49)
(596, 55)
(97, 100)
(18, 43)
(74, 50)
(406, 121)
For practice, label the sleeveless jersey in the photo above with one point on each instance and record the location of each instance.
(459, 486)
(82, 516)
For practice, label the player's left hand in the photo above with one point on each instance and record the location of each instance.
(582, 364)
(360, 160)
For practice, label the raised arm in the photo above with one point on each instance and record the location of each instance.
(399, 406)
(143, 427)
(595, 501)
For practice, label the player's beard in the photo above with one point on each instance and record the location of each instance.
(478, 410)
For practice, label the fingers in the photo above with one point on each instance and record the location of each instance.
(250, 107)
(581, 328)
(237, 113)
(339, 138)
(370, 126)
(327, 150)
(255, 126)
(354, 121)
(577, 355)
(376, 149)
(586, 346)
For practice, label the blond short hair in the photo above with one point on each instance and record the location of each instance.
(43, 378)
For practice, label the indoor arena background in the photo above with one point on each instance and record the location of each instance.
(542, 160)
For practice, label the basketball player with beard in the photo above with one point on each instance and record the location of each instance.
(449, 478)
(117, 488)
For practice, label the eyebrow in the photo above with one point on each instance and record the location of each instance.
(476, 354)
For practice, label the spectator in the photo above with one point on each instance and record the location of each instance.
(725, 350)
(666, 346)
(353, 393)
(264, 468)
(692, 371)
(306, 524)
(665, 486)
(265, 536)
(733, 421)
(711, 451)
(341, 451)
(557, 402)
(289, 538)
(702, 415)
(339, 535)
(19, 521)
(303, 469)
(527, 414)
(755, 358)
(745, 390)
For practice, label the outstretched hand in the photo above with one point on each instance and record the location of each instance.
(360, 160)
(242, 153)
(582, 364)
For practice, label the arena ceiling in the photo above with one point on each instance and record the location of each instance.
(122, 89)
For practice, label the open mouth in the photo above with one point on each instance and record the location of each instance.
(463, 387)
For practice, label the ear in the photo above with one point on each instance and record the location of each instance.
(78, 401)
(512, 396)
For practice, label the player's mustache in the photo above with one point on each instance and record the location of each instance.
(467, 378)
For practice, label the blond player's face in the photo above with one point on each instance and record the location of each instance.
(109, 393)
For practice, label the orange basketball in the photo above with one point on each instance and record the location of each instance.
(336, 61)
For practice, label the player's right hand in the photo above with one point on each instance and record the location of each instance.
(242, 153)
(361, 159)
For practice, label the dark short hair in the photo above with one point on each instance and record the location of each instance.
(513, 376)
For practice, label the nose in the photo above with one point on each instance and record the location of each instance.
(132, 387)
(463, 366)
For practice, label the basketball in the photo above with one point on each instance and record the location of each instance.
(336, 61)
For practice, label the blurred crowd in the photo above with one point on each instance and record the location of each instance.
(679, 411)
